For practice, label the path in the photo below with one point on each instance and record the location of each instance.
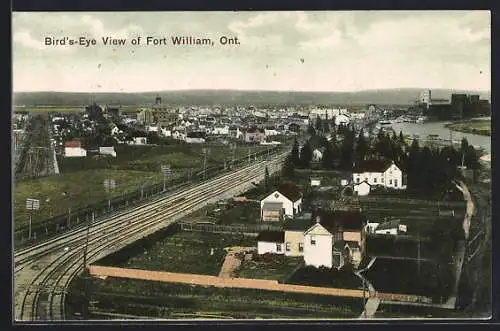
(231, 261)
(204, 280)
(372, 303)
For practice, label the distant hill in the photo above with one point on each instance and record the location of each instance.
(404, 96)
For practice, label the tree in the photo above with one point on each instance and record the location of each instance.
(311, 131)
(306, 155)
(401, 139)
(346, 150)
(330, 156)
(318, 123)
(361, 147)
(294, 157)
(326, 127)
(266, 179)
(414, 165)
(288, 170)
(464, 144)
(394, 137)
(471, 158)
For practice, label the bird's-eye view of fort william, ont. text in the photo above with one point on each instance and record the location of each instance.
(251, 165)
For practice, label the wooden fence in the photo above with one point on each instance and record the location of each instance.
(234, 228)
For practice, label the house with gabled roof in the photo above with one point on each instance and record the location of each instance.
(288, 195)
(294, 234)
(270, 242)
(362, 188)
(334, 238)
(379, 172)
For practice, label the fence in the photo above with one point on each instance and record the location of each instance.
(234, 228)
(79, 217)
(383, 198)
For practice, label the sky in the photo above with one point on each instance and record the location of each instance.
(283, 51)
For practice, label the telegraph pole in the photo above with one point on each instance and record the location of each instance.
(204, 164)
(364, 297)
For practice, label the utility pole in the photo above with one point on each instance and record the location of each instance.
(69, 218)
(364, 297)
(205, 165)
(418, 256)
(84, 271)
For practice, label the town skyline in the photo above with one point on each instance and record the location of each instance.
(278, 51)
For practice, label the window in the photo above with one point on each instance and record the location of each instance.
(390, 181)
(278, 247)
(357, 180)
(374, 180)
(396, 182)
(301, 247)
(382, 179)
(287, 247)
(313, 240)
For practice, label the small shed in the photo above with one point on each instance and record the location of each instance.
(362, 188)
(315, 182)
(272, 211)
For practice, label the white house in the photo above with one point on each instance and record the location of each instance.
(115, 130)
(235, 132)
(325, 241)
(270, 132)
(271, 242)
(318, 247)
(317, 154)
(139, 141)
(342, 119)
(179, 135)
(392, 227)
(315, 182)
(371, 226)
(74, 149)
(362, 188)
(290, 198)
(107, 151)
(165, 132)
(377, 172)
(220, 130)
(152, 128)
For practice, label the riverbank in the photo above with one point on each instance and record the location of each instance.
(480, 127)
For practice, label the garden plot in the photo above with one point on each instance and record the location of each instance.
(266, 266)
(185, 252)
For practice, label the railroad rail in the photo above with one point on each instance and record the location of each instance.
(43, 272)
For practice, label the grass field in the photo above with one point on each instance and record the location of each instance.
(82, 178)
(164, 300)
(480, 127)
(185, 252)
(75, 190)
(429, 279)
(267, 266)
(323, 277)
(419, 218)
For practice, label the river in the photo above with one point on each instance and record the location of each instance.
(437, 128)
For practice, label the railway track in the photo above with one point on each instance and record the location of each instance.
(43, 272)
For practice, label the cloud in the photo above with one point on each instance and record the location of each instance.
(342, 50)
(30, 30)
(25, 39)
